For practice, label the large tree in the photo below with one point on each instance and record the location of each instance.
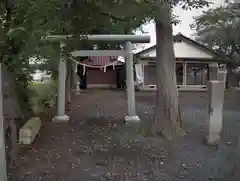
(168, 118)
(218, 29)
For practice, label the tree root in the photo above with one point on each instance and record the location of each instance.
(168, 130)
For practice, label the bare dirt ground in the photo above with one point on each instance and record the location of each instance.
(97, 145)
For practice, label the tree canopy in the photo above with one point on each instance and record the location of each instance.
(218, 29)
(31, 19)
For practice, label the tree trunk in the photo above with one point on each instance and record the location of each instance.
(12, 113)
(167, 120)
(12, 121)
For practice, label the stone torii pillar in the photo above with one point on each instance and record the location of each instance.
(132, 116)
(61, 116)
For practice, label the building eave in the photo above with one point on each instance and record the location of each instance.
(188, 59)
(180, 37)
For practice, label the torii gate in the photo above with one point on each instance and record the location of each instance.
(127, 53)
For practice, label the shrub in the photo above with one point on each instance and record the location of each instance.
(45, 96)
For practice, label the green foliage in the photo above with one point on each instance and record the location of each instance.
(44, 96)
(218, 29)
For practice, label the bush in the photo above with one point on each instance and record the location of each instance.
(45, 96)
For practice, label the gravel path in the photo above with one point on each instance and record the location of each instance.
(97, 145)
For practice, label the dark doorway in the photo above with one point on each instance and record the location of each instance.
(82, 76)
(121, 77)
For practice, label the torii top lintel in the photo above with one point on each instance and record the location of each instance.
(106, 38)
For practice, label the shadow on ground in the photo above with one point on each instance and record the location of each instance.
(97, 145)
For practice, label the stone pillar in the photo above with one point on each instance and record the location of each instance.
(61, 116)
(213, 71)
(215, 111)
(78, 90)
(131, 117)
(3, 167)
(184, 74)
(76, 80)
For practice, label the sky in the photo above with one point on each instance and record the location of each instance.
(186, 19)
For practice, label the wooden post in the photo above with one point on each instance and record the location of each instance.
(213, 71)
(222, 76)
(184, 74)
(143, 84)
